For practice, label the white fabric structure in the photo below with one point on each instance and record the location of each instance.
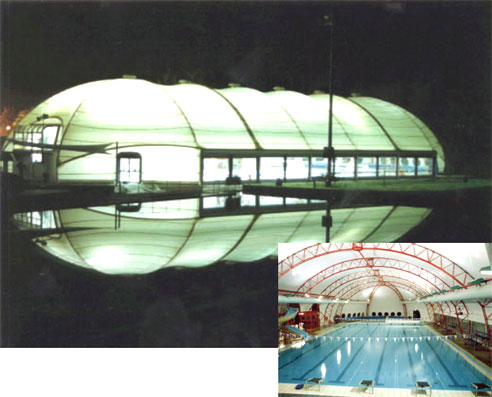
(172, 233)
(171, 127)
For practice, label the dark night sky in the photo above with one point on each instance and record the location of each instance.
(431, 58)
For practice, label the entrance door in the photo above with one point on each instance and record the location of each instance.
(129, 167)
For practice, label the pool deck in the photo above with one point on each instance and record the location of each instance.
(289, 388)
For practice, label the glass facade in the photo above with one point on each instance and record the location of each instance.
(387, 167)
(245, 168)
(214, 202)
(366, 167)
(37, 134)
(318, 166)
(269, 200)
(344, 167)
(215, 169)
(406, 166)
(424, 166)
(271, 168)
(248, 200)
(35, 220)
(297, 168)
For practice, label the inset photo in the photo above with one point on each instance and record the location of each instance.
(384, 319)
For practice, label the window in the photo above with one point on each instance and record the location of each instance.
(387, 166)
(244, 168)
(366, 167)
(297, 168)
(271, 168)
(215, 169)
(129, 167)
(37, 134)
(214, 202)
(49, 134)
(318, 166)
(407, 166)
(35, 220)
(344, 167)
(248, 200)
(424, 166)
(270, 200)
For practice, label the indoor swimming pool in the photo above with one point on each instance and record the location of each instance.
(394, 356)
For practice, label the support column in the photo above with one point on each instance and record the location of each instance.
(487, 325)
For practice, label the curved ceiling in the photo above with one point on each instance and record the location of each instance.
(132, 111)
(333, 269)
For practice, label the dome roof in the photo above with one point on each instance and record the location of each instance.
(138, 112)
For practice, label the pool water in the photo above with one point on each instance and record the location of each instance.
(345, 361)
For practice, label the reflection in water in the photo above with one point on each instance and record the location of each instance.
(139, 239)
(339, 356)
(348, 348)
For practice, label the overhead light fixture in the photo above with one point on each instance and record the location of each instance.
(306, 295)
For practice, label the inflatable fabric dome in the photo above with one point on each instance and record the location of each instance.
(175, 234)
(189, 132)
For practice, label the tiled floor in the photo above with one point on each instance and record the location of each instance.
(289, 388)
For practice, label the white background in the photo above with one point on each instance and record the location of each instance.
(138, 372)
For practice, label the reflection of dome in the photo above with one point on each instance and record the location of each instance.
(173, 234)
(170, 125)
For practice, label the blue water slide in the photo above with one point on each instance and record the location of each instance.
(295, 330)
(291, 313)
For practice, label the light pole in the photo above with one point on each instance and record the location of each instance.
(329, 151)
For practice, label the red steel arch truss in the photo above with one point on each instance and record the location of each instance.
(330, 289)
(372, 263)
(438, 261)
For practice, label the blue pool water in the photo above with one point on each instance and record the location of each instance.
(390, 364)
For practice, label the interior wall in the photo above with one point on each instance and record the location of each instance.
(385, 300)
(354, 308)
(421, 308)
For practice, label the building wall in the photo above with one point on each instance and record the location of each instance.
(385, 300)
